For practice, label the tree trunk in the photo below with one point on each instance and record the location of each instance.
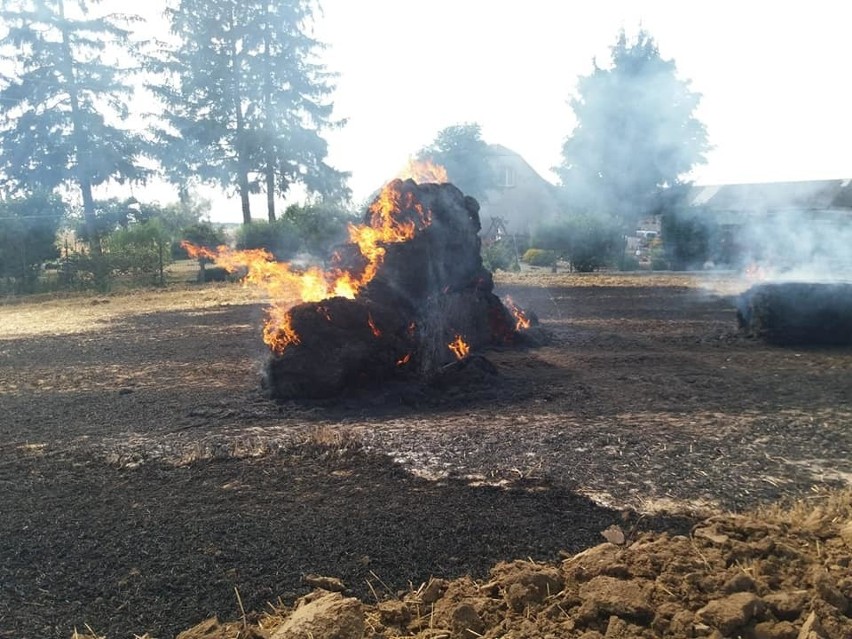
(184, 196)
(244, 196)
(161, 262)
(267, 115)
(80, 142)
(89, 212)
(270, 190)
(240, 141)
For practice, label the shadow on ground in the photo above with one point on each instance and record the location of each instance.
(158, 548)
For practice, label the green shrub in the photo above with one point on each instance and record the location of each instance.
(202, 234)
(629, 263)
(540, 257)
(690, 236)
(81, 271)
(320, 225)
(587, 241)
(141, 250)
(500, 256)
(281, 238)
(28, 227)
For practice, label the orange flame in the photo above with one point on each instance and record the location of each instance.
(423, 171)
(278, 333)
(394, 217)
(197, 252)
(459, 347)
(522, 322)
(373, 327)
(755, 272)
(402, 361)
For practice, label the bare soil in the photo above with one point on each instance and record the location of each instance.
(145, 478)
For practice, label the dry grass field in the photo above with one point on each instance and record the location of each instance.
(144, 475)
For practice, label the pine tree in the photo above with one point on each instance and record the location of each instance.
(294, 105)
(636, 134)
(465, 156)
(245, 101)
(65, 99)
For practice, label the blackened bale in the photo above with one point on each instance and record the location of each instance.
(797, 313)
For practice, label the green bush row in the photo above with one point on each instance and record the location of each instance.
(540, 257)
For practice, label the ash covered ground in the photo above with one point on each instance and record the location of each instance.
(144, 474)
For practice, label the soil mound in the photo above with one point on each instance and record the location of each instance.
(775, 574)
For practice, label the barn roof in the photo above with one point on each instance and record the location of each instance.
(813, 195)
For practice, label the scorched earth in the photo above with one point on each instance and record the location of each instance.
(145, 479)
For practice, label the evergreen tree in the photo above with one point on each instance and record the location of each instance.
(28, 227)
(65, 98)
(461, 150)
(636, 133)
(245, 101)
(294, 105)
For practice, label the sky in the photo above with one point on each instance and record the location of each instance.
(773, 77)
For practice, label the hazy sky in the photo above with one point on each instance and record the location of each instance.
(773, 77)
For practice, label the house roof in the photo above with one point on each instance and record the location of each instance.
(499, 151)
(527, 200)
(811, 195)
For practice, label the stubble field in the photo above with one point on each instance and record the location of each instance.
(145, 478)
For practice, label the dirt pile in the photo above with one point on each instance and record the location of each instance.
(780, 574)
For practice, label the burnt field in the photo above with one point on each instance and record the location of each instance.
(144, 476)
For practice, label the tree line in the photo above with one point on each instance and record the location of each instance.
(244, 102)
(635, 140)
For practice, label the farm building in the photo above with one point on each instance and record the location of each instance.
(521, 198)
(736, 204)
(784, 223)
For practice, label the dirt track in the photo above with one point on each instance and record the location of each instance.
(144, 476)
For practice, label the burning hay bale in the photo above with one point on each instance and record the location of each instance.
(797, 312)
(405, 298)
(428, 303)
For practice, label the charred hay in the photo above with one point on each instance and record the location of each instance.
(427, 292)
(797, 313)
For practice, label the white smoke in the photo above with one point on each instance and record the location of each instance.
(799, 246)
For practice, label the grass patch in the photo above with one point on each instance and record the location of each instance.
(63, 314)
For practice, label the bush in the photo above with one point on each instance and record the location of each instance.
(27, 238)
(500, 256)
(540, 257)
(281, 238)
(587, 241)
(319, 226)
(141, 250)
(629, 263)
(689, 237)
(114, 214)
(659, 264)
(201, 234)
(80, 270)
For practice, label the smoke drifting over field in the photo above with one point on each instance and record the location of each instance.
(780, 231)
(801, 248)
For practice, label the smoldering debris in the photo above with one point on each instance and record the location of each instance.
(789, 313)
(429, 304)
